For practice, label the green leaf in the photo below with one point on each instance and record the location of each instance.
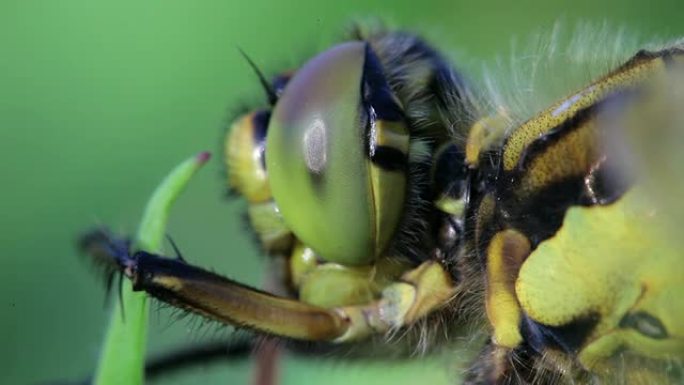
(122, 360)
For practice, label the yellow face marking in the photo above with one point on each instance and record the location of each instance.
(610, 262)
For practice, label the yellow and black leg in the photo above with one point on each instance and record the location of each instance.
(418, 292)
(505, 360)
(507, 251)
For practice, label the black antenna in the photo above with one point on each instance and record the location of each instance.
(121, 299)
(176, 250)
(270, 93)
(110, 280)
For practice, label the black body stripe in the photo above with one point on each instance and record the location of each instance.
(578, 120)
(555, 135)
(389, 158)
(569, 337)
(379, 103)
(260, 123)
(375, 90)
(541, 214)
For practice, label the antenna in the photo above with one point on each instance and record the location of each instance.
(268, 89)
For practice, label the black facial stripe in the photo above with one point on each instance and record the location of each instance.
(569, 337)
(541, 214)
(376, 92)
(389, 158)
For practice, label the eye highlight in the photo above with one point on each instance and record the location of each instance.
(645, 324)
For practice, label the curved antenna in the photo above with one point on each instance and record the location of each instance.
(265, 84)
(176, 250)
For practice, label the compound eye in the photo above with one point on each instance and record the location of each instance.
(336, 155)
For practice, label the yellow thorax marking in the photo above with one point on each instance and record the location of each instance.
(568, 107)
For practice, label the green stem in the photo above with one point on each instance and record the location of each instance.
(122, 360)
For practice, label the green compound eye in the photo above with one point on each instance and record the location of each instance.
(337, 154)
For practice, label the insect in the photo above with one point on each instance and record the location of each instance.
(398, 201)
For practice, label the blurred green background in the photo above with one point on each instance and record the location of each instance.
(98, 100)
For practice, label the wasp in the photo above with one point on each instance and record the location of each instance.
(396, 200)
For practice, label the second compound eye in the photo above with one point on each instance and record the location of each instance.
(336, 162)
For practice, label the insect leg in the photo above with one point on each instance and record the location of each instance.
(216, 297)
(505, 254)
(498, 365)
(418, 292)
(224, 300)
